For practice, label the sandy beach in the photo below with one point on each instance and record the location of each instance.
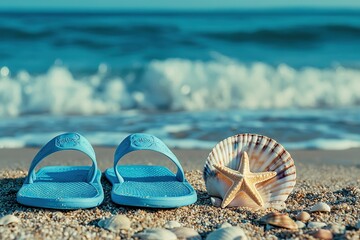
(332, 177)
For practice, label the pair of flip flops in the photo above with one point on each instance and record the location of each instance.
(73, 187)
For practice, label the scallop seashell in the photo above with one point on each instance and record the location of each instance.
(115, 223)
(245, 156)
(156, 234)
(172, 224)
(279, 220)
(229, 233)
(184, 233)
(322, 234)
(7, 219)
(320, 207)
(303, 216)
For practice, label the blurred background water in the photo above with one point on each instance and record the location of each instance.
(191, 78)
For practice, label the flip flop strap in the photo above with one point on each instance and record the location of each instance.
(66, 141)
(141, 141)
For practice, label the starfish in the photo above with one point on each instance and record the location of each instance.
(243, 180)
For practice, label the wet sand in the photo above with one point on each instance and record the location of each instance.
(328, 176)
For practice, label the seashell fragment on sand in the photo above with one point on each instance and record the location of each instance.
(229, 233)
(156, 234)
(316, 225)
(216, 202)
(320, 207)
(172, 224)
(322, 234)
(249, 170)
(300, 224)
(303, 216)
(7, 219)
(279, 220)
(184, 233)
(225, 225)
(115, 223)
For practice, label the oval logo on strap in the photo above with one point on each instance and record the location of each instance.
(140, 140)
(67, 140)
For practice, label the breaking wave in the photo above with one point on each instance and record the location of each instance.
(178, 84)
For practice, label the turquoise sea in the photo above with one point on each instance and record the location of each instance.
(191, 78)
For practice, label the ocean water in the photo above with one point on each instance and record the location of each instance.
(190, 78)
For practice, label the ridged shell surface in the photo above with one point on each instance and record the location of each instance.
(115, 223)
(279, 220)
(265, 155)
(229, 233)
(156, 234)
(184, 233)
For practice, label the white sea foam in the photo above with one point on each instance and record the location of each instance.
(179, 84)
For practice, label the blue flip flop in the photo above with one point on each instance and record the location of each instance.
(63, 187)
(148, 186)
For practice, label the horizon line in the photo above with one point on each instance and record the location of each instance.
(135, 10)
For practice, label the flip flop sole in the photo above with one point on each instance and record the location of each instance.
(149, 186)
(62, 188)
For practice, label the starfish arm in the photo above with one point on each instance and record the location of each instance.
(227, 172)
(262, 176)
(243, 179)
(231, 193)
(252, 192)
(244, 163)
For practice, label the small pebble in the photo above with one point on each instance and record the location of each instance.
(300, 224)
(115, 223)
(216, 202)
(323, 234)
(320, 207)
(316, 225)
(358, 225)
(172, 224)
(7, 219)
(303, 216)
(337, 228)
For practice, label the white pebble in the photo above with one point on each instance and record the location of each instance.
(320, 207)
(172, 224)
(7, 219)
(115, 223)
(300, 224)
(316, 225)
(303, 216)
